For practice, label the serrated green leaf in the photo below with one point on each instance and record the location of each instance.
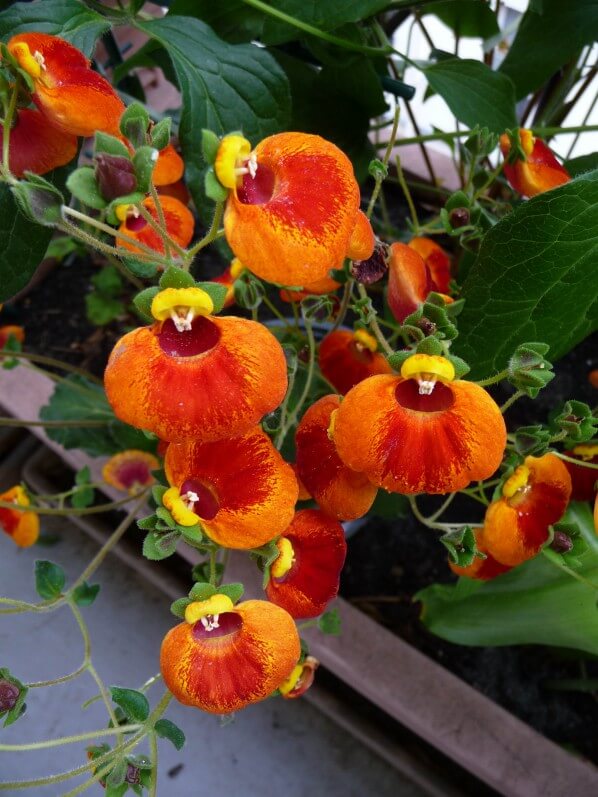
(531, 279)
(489, 99)
(233, 591)
(330, 623)
(49, 579)
(201, 591)
(178, 607)
(139, 268)
(83, 186)
(548, 39)
(69, 19)
(133, 703)
(85, 594)
(168, 730)
(224, 87)
(101, 309)
(174, 277)
(160, 546)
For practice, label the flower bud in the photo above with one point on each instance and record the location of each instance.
(115, 175)
(374, 268)
(561, 543)
(9, 694)
(459, 217)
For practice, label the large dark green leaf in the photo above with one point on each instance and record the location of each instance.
(467, 18)
(69, 19)
(536, 603)
(236, 21)
(23, 246)
(225, 87)
(474, 93)
(548, 38)
(534, 279)
(324, 99)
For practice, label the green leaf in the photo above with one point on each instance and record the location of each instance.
(168, 730)
(85, 594)
(134, 124)
(144, 162)
(108, 281)
(69, 19)
(582, 164)
(209, 145)
(535, 603)
(49, 579)
(548, 39)
(175, 277)
(102, 309)
(233, 20)
(158, 546)
(82, 185)
(474, 93)
(147, 523)
(139, 268)
(225, 87)
(532, 278)
(38, 200)
(467, 18)
(83, 497)
(330, 623)
(461, 545)
(133, 703)
(160, 133)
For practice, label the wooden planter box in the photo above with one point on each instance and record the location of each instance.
(469, 728)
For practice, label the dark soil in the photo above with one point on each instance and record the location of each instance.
(389, 561)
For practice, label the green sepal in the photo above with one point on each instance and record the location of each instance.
(38, 200)
(516, 151)
(397, 359)
(160, 133)
(460, 366)
(178, 607)
(175, 277)
(158, 492)
(166, 517)
(209, 145)
(201, 591)
(431, 346)
(457, 200)
(168, 730)
(232, 591)
(134, 703)
(143, 302)
(49, 579)
(127, 199)
(461, 546)
(134, 124)
(192, 534)
(378, 169)
(115, 779)
(248, 291)
(213, 187)
(531, 440)
(17, 711)
(575, 419)
(144, 161)
(528, 370)
(158, 546)
(216, 292)
(147, 523)
(110, 145)
(83, 186)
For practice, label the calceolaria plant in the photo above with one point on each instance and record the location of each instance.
(341, 354)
